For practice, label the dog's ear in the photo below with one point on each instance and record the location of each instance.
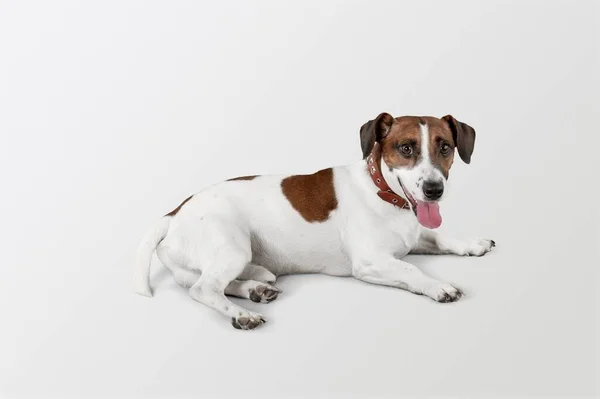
(464, 137)
(373, 131)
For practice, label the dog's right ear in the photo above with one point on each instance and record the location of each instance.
(373, 131)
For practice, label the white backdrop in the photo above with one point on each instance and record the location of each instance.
(111, 113)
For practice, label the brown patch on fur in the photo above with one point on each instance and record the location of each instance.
(464, 137)
(313, 196)
(440, 133)
(174, 211)
(404, 130)
(242, 178)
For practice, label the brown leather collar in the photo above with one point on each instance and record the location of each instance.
(385, 192)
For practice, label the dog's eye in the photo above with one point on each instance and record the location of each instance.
(445, 150)
(406, 149)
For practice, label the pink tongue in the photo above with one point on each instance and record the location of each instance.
(428, 214)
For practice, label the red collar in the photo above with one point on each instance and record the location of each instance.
(385, 192)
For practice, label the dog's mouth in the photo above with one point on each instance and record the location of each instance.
(428, 212)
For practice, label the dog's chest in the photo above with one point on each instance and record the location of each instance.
(402, 242)
(396, 235)
(375, 233)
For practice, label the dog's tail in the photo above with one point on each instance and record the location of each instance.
(141, 272)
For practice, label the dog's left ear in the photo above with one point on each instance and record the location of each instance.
(373, 131)
(464, 137)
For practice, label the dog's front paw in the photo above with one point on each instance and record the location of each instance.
(478, 247)
(443, 293)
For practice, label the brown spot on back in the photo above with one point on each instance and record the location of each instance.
(174, 211)
(242, 178)
(313, 196)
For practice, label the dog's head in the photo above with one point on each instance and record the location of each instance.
(418, 153)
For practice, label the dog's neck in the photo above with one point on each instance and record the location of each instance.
(386, 171)
(379, 180)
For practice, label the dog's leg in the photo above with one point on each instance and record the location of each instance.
(211, 293)
(184, 277)
(243, 287)
(258, 273)
(433, 243)
(397, 273)
(223, 259)
(256, 291)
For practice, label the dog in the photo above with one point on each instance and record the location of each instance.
(359, 220)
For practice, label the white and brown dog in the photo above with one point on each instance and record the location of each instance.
(358, 220)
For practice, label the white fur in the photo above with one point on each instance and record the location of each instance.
(144, 256)
(236, 229)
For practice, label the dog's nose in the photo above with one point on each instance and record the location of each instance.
(433, 190)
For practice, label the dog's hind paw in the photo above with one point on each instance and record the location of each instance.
(248, 321)
(264, 293)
